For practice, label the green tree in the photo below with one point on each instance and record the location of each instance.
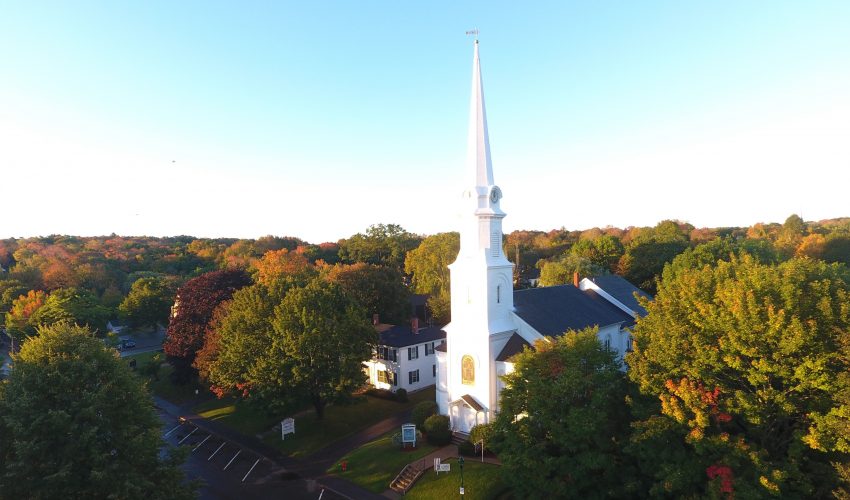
(148, 303)
(751, 363)
(75, 423)
(10, 290)
(379, 289)
(288, 344)
(322, 332)
(561, 424)
(74, 305)
(604, 251)
(428, 267)
(383, 244)
(561, 271)
(649, 251)
(239, 355)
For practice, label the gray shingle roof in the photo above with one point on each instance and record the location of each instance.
(402, 336)
(622, 290)
(514, 346)
(553, 310)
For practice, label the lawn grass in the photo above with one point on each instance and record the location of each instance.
(311, 435)
(480, 482)
(237, 415)
(375, 464)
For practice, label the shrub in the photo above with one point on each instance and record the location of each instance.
(380, 393)
(437, 429)
(401, 395)
(422, 411)
(482, 431)
(466, 448)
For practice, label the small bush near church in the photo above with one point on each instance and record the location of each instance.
(422, 411)
(481, 431)
(401, 395)
(437, 430)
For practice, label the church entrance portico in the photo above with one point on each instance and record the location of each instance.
(466, 413)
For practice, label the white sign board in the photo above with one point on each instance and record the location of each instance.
(461, 490)
(445, 467)
(287, 426)
(408, 434)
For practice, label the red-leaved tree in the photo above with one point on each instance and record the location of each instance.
(193, 310)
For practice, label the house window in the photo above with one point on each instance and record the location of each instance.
(498, 294)
(382, 377)
(629, 343)
(467, 370)
(434, 370)
(429, 348)
(387, 353)
(607, 343)
(413, 352)
(413, 377)
(394, 376)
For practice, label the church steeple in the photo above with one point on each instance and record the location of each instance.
(478, 145)
(483, 234)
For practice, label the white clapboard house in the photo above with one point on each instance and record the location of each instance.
(405, 357)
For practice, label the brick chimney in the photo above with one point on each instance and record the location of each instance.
(376, 319)
(414, 324)
(575, 279)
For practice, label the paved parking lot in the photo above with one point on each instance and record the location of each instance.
(231, 471)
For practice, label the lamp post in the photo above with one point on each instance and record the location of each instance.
(460, 462)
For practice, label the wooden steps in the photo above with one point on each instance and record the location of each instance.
(405, 479)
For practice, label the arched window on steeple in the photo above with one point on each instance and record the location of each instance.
(467, 370)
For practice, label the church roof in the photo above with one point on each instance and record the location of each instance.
(622, 290)
(403, 336)
(514, 346)
(553, 310)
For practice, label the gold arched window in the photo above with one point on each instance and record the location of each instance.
(467, 370)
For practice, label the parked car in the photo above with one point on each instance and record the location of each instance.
(128, 343)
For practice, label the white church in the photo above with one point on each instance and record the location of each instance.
(490, 321)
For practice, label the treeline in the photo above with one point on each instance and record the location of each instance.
(91, 280)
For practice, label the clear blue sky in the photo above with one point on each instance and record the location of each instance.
(317, 119)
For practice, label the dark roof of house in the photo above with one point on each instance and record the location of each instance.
(622, 290)
(553, 310)
(514, 346)
(402, 335)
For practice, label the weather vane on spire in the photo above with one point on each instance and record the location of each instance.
(473, 32)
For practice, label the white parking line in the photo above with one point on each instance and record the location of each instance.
(201, 443)
(232, 459)
(216, 451)
(249, 471)
(172, 430)
(187, 436)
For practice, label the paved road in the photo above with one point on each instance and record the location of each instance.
(277, 476)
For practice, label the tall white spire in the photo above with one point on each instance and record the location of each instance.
(478, 145)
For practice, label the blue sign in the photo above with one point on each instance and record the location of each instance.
(408, 434)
